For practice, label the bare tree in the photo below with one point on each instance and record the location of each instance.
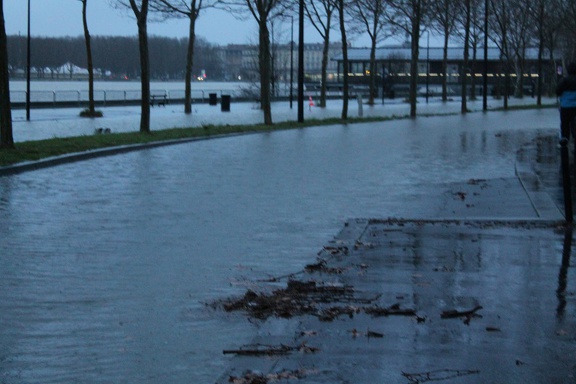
(539, 17)
(6, 138)
(341, 6)
(469, 29)
(262, 11)
(320, 13)
(191, 10)
(91, 112)
(445, 23)
(408, 16)
(140, 10)
(521, 37)
(512, 33)
(568, 34)
(500, 25)
(549, 22)
(466, 22)
(371, 15)
(476, 37)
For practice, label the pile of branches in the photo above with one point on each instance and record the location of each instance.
(298, 298)
(251, 377)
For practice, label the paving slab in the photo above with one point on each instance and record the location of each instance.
(460, 301)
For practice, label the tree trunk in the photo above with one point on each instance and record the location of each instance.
(265, 70)
(415, 38)
(144, 66)
(473, 72)
(325, 59)
(91, 107)
(540, 52)
(6, 138)
(445, 67)
(464, 72)
(344, 60)
(372, 78)
(506, 83)
(519, 70)
(190, 62)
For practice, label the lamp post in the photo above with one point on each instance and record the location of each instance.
(273, 59)
(28, 68)
(291, 62)
(427, 66)
(485, 79)
(301, 62)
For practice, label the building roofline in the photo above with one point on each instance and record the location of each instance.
(402, 53)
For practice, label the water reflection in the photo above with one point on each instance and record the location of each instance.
(563, 274)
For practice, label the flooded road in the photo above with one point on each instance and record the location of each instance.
(106, 264)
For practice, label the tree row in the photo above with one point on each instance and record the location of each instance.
(118, 55)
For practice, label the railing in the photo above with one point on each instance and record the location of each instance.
(77, 98)
(108, 97)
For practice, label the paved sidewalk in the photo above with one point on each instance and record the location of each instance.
(478, 296)
(419, 301)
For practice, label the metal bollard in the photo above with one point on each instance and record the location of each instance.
(566, 180)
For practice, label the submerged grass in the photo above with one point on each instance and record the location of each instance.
(42, 149)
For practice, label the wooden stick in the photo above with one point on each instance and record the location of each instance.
(454, 313)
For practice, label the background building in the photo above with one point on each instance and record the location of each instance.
(393, 69)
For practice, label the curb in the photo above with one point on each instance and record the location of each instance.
(540, 200)
(92, 154)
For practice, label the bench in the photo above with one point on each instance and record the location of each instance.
(160, 99)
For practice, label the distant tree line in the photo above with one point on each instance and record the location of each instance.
(116, 54)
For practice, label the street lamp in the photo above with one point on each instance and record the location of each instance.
(485, 80)
(301, 62)
(427, 67)
(291, 61)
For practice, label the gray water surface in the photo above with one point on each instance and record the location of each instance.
(106, 264)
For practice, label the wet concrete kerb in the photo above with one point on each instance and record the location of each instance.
(534, 155)
(87, 155)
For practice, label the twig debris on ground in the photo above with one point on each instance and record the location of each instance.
(298, 298)
(251, 377)
(468, 315)
(438, 375)
(270, 350)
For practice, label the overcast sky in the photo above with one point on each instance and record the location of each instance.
(64, 18)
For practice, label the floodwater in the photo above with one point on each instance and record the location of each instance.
(131, 86)
(107, 264)
(76, 90)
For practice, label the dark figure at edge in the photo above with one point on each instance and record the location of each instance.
(566, 91)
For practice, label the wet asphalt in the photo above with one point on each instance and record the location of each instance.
(109, 264)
